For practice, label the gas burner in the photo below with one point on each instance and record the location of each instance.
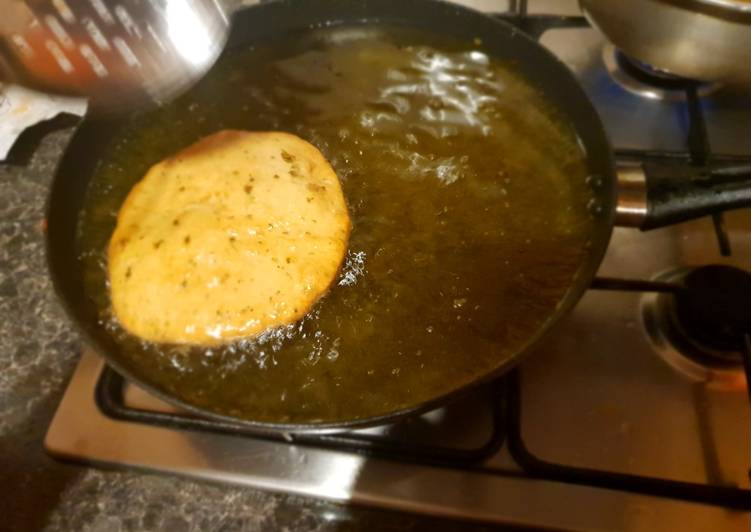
(714, 306)
(645, 80)
(701, 328)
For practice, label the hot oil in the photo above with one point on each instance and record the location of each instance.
(468, 201)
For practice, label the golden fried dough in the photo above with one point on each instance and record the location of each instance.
(236, 234)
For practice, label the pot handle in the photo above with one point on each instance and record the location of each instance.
(656, 194)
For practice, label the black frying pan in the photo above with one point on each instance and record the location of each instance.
(500, 40)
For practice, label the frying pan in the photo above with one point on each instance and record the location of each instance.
(500, 40)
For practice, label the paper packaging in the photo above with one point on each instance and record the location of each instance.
(21, 108)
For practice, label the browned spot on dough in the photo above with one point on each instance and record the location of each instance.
(316, 188)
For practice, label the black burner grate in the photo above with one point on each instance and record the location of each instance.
(395, 443)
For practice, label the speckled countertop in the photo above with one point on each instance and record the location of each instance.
(38, 352)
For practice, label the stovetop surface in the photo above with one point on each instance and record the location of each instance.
(597, 394)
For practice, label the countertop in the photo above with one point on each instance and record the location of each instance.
(38, 352)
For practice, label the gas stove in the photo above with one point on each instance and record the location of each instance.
(623, 419)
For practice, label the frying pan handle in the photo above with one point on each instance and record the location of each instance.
(656, 194)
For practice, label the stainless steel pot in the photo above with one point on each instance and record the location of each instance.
(708, 40)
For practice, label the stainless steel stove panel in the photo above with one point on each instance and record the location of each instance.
(80, 431)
